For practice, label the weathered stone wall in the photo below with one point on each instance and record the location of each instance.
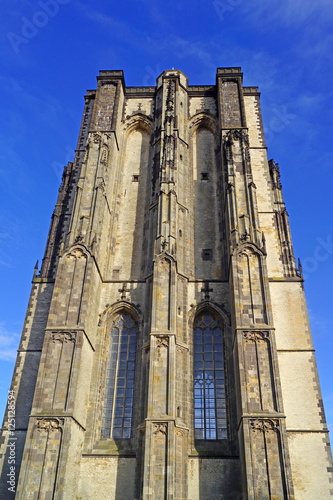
(207, 206)
(132, 206)
(216, 479)
(109, 477)
(305, 421)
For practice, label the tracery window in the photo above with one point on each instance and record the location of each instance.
(210, 420)
(118, 399)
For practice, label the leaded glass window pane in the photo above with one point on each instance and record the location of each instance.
(118, 400)
(209, 387)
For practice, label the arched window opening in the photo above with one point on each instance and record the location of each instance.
(210, 420)
(118, 399)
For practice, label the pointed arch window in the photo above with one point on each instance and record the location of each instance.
(210, 420)
(118, 399)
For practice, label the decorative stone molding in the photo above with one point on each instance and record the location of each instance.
(123, 291)
(146, 349)
(255, 336)
(274, 170)
(218, 308)
(160, 428)
(227, 143)
(77, 253)
(206, 291)
(169, 143)
(104, 157)
(101, 186)
(162, 342)
(97, 138)
(236, 135)
(203, 118)
(264, 425)
(63, 337)
(138, 121)
(248, 248)
(243, 238)
(50, 424)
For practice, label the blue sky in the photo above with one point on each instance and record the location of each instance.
(51, 53)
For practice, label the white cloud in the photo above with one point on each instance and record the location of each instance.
(8, 343)
(288, 13)
(184, 48)
(320, 325)
(117, 27)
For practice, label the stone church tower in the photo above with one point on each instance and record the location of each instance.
(166, 352)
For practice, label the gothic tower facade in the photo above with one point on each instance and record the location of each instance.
(166, 352)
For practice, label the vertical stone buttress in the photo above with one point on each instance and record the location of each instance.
(164, 471)
(261, 420)
(31, 344)
(74, 260)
